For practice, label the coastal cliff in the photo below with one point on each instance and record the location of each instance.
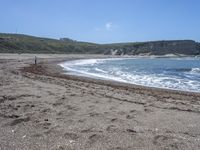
(18, 43)
(185, 47)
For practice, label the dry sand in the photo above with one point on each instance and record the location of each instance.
(40, 108)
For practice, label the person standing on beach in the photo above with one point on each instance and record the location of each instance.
(35, 60)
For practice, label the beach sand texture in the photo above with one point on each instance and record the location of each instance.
(40, 108)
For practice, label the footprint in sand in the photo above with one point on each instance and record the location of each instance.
(111, 128)
(94, 114)
(46, 125)
(130, 116)
(112, 108)
(37, 135)
(94, 138)
(131, 131)
(117, 148)
(70, 107)
(20, 120)
(82, 120)
(168, 142)
(113, 119)
(71, 136)
(158, 139)
(148, 110)
(87, 130)
(57, 103)
(121, 113)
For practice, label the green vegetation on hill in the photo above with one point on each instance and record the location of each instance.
(18, 43)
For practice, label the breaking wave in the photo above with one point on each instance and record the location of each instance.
(175, 74)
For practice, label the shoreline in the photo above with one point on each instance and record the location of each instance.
(87, 77)
(41, 108)
(52, 69)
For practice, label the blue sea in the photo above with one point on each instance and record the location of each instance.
(170, 73)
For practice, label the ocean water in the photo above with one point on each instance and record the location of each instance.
(171, 73)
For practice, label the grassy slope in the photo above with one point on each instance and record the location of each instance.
(18, 43)
(15, 43)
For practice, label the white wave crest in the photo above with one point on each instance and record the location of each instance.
(80, 62)
(195, 70)
(109, 71)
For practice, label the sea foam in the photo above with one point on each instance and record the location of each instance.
(179, 74)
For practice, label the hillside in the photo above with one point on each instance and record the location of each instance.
(18, 43)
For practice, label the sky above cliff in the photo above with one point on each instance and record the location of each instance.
(103, 21)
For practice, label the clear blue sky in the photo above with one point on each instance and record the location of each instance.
(103, 21)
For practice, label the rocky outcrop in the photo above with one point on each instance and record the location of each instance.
(185, 47)
(198, 47)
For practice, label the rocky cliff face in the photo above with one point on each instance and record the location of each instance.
(198, 47)
(185, 47)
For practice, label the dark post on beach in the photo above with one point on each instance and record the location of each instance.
(35, 60)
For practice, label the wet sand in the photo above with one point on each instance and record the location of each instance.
(41, 108)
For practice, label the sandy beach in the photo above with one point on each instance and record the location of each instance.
(42, 108)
